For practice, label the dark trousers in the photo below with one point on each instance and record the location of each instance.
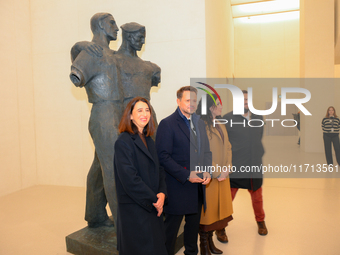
(172, 223)
(328, 139)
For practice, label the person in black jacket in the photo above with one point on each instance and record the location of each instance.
(182, 145)
(140, 183)
(330, 127)
(247, 152)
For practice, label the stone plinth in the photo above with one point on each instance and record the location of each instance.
(92, 241)
(101, 241)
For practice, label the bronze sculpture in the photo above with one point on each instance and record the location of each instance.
(137, 76)
(100, 78)
(111, 80)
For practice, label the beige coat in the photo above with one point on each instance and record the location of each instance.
(218, 194)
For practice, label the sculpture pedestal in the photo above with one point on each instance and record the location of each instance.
(101, 241)
(92, 241)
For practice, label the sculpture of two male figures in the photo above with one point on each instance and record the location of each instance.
(111, 80)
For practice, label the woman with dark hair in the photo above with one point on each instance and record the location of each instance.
(330, 127)
(218, 194)
(140, 183)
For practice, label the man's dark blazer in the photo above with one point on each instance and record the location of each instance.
(178, 154)
(247, 149)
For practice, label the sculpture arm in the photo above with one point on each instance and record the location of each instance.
(77, 77)
(83, 69)
(156, 76)
(156, 79)
(91, 48)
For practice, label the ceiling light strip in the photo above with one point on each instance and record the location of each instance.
(263, 14)
(252, 2)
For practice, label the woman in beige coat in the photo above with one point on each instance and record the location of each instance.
(218, 195)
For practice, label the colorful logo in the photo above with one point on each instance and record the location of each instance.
(213, 90)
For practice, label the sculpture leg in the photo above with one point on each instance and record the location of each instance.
(103, 127)
(95, 211)
(106, 162)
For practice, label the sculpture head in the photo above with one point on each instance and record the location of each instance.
(134, 34)
(104, 23)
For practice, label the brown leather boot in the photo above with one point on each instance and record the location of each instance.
(262, 228)
(212, 246)
(204, 245)
(221, 235)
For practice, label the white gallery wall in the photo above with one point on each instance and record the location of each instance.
(317, 55)
(267, 49)
(17, 129)
(219, 46)
(44, 132)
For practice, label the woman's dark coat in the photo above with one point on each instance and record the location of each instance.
(139, 178)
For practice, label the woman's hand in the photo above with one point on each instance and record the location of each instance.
(223, 176)
(159, 204)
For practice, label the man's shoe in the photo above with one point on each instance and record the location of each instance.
(221, 235)
(105, 223)
(262, 228)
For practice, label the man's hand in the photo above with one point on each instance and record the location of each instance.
(193, 178)
(159, 204)
(206, 178)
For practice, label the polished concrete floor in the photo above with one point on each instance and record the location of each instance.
(302, 214)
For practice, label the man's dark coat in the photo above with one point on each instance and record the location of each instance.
(179, 154)
(247, 149)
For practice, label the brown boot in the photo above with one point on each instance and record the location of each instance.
(221, 235)
(212, 246)
(262, 228)
(204, 245)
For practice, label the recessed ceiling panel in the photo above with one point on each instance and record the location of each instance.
(234, 2)
(269, 18)
(265, 7)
